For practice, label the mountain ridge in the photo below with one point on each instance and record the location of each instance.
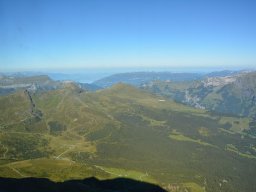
(228, 94)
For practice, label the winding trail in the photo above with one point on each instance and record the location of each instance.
(17, 171)
(81, 102)
(70, 148)
(119, 175)
(107, 171)
(62, 101)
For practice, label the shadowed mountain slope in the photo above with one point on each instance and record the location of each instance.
(86, 185)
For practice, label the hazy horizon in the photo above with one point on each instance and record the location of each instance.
(195, 69)
(93, 74)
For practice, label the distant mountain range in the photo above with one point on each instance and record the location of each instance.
(83, 76)
(226, 92)
(10, 84)
(234, 93)
(139, 78)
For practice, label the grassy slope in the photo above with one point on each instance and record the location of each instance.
(125, 131)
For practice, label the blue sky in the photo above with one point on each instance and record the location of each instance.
(64, 34)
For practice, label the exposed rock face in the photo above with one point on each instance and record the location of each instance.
(218, 81)
(192, 100)
(32, 104)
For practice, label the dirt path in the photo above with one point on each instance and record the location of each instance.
(70, 148)
(81, 102)
(107, 171)
(62, 101)
(17, 171)
(119, 175)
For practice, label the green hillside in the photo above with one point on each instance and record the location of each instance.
(124, 132)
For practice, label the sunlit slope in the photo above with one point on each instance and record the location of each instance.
(124, 132)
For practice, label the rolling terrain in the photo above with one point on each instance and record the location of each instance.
(122, 131)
